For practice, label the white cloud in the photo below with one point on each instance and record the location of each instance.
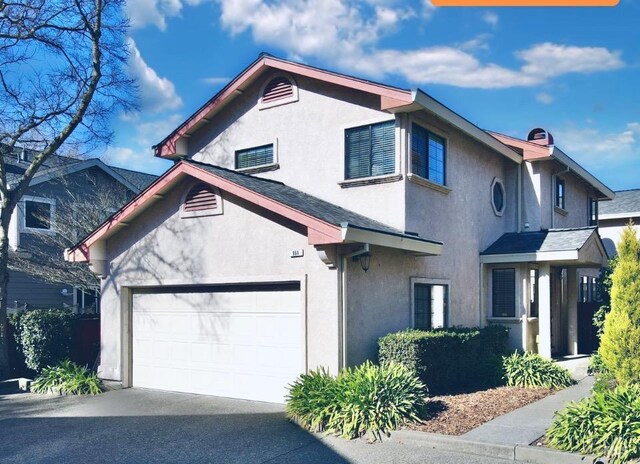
(479, 42)
(491, 18)
(550, 60)
(157, 93)
(599, 147)
(215, 80)
(138, 160)
(347, 35)
(144, 13)
(545, 98)
(151, 132)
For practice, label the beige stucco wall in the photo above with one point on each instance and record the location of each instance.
(308, 136)
(539, 194)
(242, 245)
(463, 219)
(611, 231)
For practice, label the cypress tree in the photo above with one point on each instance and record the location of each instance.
(620, 342)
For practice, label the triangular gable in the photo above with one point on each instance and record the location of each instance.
(61, 171)
(390, 97)
(319, 232)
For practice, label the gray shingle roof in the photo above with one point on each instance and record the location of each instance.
(543, 240)
(139, 179)
(626, 201)
(16, 168)
(300, 201)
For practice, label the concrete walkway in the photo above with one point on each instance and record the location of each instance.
(525, 425)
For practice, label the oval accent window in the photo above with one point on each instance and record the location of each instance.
(497, 197)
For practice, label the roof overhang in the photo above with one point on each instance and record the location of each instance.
(319, 232)
(632, 214)
(535, 152)
(416, 246)
(443, 112)
(565, 159)
(591, 254)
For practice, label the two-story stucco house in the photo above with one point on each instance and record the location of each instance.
(61, 186)
(308, 213)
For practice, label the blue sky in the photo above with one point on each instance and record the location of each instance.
(573, 71)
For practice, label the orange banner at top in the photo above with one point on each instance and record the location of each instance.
(525, 2)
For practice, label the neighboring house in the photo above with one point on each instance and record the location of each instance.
(615, 215)
(309, 213)
(58, 183)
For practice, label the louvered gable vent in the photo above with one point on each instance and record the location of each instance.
(200, 198)
(278, 89)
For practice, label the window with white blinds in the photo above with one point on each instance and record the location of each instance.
(253, 157)
(370, 150)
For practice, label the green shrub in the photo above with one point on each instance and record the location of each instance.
(531, 370)
(449, 360)
(607, 423)
(367, 399)
(620, 341)
(67, 379)
(311, 399)
(596, 364)
(43, 336)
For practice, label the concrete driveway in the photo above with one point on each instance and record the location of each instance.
(137, 425)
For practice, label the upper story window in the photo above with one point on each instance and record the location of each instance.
(201, 200)
(370, 150)
(593, 211)
(504, 292)
(560, 193)
(254, 157)
(38, 215)
(497, 197)
(428, 155)
(278, 91)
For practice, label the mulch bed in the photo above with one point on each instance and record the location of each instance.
(457, 414)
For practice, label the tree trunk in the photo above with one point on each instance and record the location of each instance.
(5, 216)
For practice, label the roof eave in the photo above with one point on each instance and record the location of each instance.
(443, 112)
(415, 245)
(565, 159)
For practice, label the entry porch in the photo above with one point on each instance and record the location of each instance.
(535, 285)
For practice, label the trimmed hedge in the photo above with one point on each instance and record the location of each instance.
(449, 360)
(43, 336)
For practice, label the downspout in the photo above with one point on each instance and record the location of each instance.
(519, 198)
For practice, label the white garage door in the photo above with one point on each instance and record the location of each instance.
(235, 342)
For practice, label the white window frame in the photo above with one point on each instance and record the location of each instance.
(23, 215)
(429, 281)
(275, 164)
(218, 210)
(498, 181)
(284, 101)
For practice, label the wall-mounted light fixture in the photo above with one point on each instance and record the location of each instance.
(362, 256)
(365, 261)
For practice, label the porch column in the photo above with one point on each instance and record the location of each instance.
(572, 310)
(544, 310)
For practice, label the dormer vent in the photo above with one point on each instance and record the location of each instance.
(540, 136)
